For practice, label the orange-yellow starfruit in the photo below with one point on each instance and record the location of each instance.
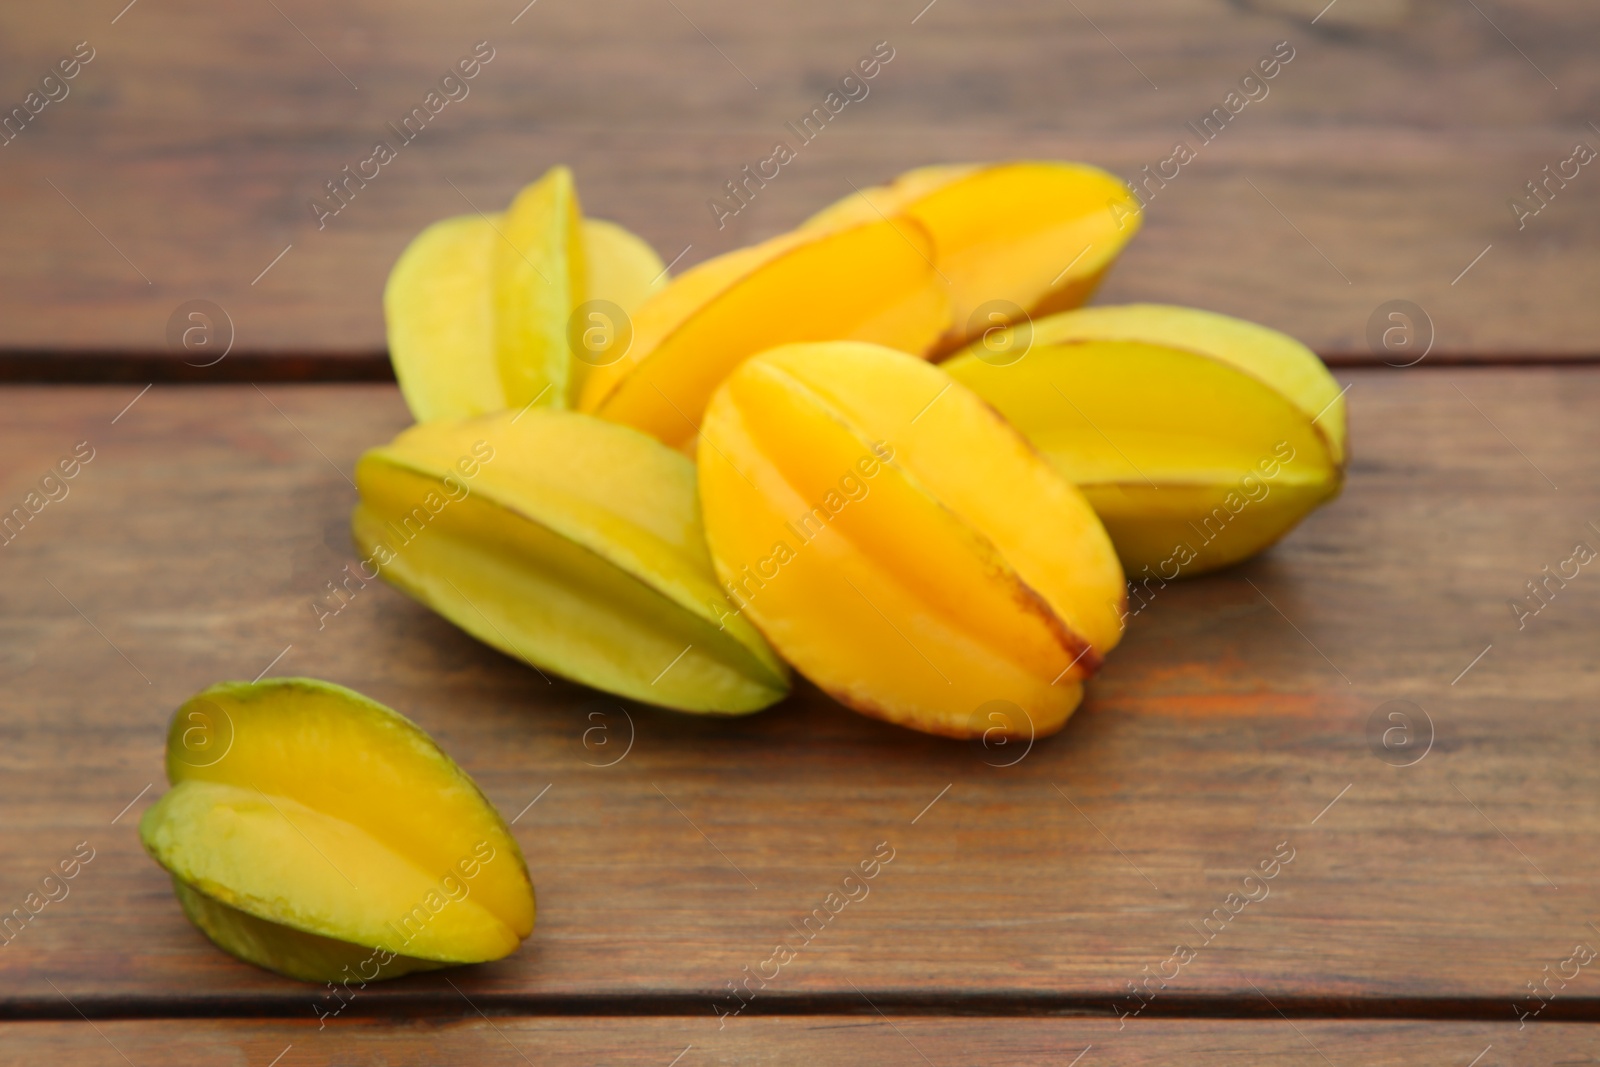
(901, 545)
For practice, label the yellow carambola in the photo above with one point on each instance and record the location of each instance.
(1200, 439)
(317, 833)
(918, 265)
(1026, 237)
(480, 309)
(901, 545)
(570, 543)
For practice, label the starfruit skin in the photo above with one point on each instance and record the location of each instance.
(478, 307)
(901, 545)
(536, 276)
(871, 281)
(319, 834)
(1034, 236)
(568, 542)
(1200, 439)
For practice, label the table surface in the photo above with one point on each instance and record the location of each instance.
(1378, 167)
(1031, 886)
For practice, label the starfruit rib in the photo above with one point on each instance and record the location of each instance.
(537, 277)
(296, 953)
(1144, 414)
(440, 317)
(622, 266)
(873, 282)
(1273, 358)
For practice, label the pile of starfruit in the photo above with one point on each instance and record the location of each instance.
(887, 449)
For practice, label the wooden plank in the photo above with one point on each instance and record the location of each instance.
(654, 1042)
(1378, 167)
(1233, 718)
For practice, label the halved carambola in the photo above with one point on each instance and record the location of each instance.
(479, 307)
(900, 544)
(1036, 235)
(570, 543)
(870, 281)
(316, 833)
(1200, 439)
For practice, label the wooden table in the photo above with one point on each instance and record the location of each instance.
(1026, 896)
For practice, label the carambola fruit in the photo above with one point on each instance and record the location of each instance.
(570, 543)
(1032, 236)
(900, 544)
(872, 280)
(316, 833)
(1200, 439)
(483, 310)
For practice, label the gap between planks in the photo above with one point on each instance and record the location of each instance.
(988, 1004)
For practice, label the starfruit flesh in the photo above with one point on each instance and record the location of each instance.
(900, 544)
(478, 307)
(1035, 235)
(1200, 439)
(871, 281)
(321, 835)
(570, 543)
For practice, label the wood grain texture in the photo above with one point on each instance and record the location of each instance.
(1233, 717)
(1378, 167)
(777, 1042)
